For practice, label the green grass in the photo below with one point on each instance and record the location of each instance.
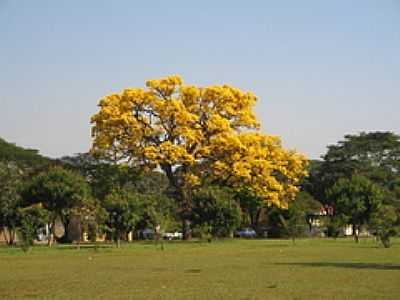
(233, 269)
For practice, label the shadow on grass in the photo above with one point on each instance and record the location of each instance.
(82, 246)
(348, 265)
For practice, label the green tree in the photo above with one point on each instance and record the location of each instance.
(159, 213)
(385, 223)
(334, 225)
(89, 217)
(31, 218)
(313, 184)
(152, 182)
(10, 199)
(307, 205)
(375, 155)
(103, 175)
(295, 223)
(24, 158)
(356, 199)
(124, 212)
(216, 211)
(252, 207)
(159, 210)
(191, 133)
(58, 190)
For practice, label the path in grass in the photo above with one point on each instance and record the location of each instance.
(237, 269)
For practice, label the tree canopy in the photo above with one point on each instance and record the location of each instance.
(356, 200)
(59, 191)
(23, 157)
(10, 198)
(193, 133)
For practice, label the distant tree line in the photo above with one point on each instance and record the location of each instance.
(357, 179)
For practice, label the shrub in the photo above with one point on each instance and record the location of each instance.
(32, 218)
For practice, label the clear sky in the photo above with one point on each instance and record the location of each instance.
(321, 69)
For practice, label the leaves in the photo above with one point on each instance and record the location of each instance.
(375, 155)
(57, 189)
(10, 199)
(194, 134)
(356, 199)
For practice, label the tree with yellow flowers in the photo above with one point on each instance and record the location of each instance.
(192, 133)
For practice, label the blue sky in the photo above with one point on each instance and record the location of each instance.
(321, 69)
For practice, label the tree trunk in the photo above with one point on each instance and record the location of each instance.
(385, 239)
(186, 200)
(183, 195)
(252, 218)
(50, 237)
(257, 221)
(50, 241)
(4, 235)
(117, 238)
(355, 233)
(186, 230)
(9, 236)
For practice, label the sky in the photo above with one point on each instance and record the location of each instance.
(321, 69)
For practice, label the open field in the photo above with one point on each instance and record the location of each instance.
(234, 269)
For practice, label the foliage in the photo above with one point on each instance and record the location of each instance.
(312, 183)
(295, 224)
(192, 133)
(258, 164)
(154, 182)
(157, 207)
(310, 209)
(24, 158)
(292, 222)
(251, 206)
(275, 226)
(89, 217)
(306, 202)
(295, 219)
(385, 223)
(375, 155)
(159, 211)
(10, 199)
(123, 208)
(334, 225)
(356, 199)
(215, 212)
(204, 232)
(32, 219)
(155, 211)
(103, 175)
(59, 191)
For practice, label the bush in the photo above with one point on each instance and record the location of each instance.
(333, 226)
(215, 211)
(384, 223)
(32, 218)
(204, 232)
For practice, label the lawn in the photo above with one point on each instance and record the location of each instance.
(232, 269)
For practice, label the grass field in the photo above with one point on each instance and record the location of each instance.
(233, 269)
